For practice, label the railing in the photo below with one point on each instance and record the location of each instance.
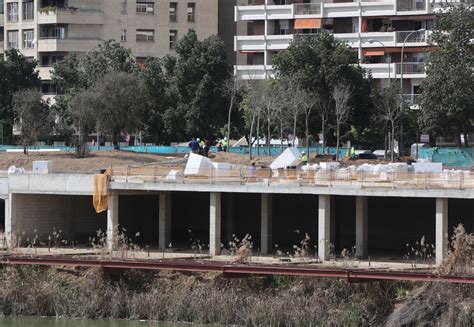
(410, 98)
(411, 68)
(416, 37)
(411, 5)
(459, 180)
(308, 9)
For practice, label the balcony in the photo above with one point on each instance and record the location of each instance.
(70, 44)
(413, 69)
(308, 9)
(410, 7)
(381, 70)
(415, 38)
(262, 42)
(253, 72)
(411, 99)
(248, 13)
(71, 16)
(45, 72)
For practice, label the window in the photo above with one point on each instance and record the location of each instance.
(123, 6)
(58, 33)
(145, 35)
(191, 12)
(173, 39)
(28, 10)
(12, 11)
(123, 37)
(1, 7)
(28, 36)
(12, 39)
(173, 11)
(145, 8)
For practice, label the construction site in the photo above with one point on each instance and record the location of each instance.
(233, 240)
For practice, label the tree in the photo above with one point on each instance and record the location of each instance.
(156, 84)
(79, 72)
(32, 117)
(16, 73)
(446, 100)
(120, 103)
(232, 89)
(84, 118)
(342, 95)
(197, 77)
(389, 112)
(321, 62)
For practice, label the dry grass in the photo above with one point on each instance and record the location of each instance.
(200, 298)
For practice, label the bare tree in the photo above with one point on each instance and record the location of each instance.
(253, 106)
(389, 112)
(270, 107)
(232, 88)
(342, 95)
(293, 97)
(32, 117)
(308, 102)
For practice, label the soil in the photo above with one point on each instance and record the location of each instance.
(68, 162)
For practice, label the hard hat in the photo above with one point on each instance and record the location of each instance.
(303, 152)
(198, 139)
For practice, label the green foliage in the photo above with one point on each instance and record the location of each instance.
(447, 99)
(16, 73)
(196, 88)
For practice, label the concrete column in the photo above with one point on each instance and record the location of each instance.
(441, 229)
(230, 217)
(215, 224)
(9, 221)
(164, 220)
(324, 226)
(266, 214)
(361, 226)
(332, 236)
(112, 219)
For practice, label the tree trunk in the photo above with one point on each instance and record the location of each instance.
(228, 122)
(258, 136)
(294, 129)
(323, 129)
(307, 135)
(337, 141)
(392, 150)
(268, 137)
(281, 137)
(251, 136)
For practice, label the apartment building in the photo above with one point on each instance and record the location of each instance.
(378, 30)
(49, 30)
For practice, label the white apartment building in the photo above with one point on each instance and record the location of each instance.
(378, 30)
(49, 30)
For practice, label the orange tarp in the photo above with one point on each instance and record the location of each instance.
(100, 197)
(374, 52)
(302, 23)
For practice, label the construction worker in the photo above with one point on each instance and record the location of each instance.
(304, 158)
(225, 144)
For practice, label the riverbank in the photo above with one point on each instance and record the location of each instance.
(210, 298)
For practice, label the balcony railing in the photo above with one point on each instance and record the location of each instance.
(411, 5)
(411, 68)
(416, 37)
(410, 98)
(308, 9)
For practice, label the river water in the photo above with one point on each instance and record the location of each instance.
(51, 322)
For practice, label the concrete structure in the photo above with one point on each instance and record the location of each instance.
(37, 205)
(376, 30)
(49, 30)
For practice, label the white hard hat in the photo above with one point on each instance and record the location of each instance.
(198, 139)
(303, 152)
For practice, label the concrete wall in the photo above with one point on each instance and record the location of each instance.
(42, 214)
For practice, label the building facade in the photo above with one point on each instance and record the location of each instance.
(49, 30)
(378, 30)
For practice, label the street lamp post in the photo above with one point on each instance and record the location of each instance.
(386, 53)
(400, 145)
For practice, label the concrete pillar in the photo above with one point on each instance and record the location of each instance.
(9, 221)
(332, 236)
(361, 226)
(266, 214)
(112, 219)
(215, 224)
(324, 226)
(164, 220)
(230, 217)
(441, 229)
